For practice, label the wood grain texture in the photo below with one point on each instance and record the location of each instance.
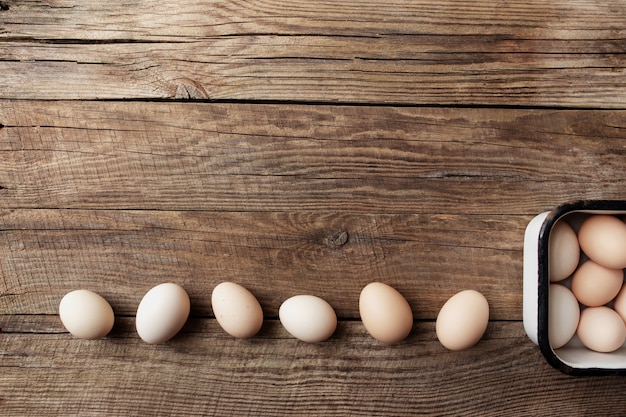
(295, 148)
(229, 157)
(120, 196)
(408, 51)
(121, 254)
(274, 374)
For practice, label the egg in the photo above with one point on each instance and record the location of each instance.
(462, 320)
(619, 304)
(86, 315)
(563, 250)
(601, 329)
(308, 318)
(602, 238)
(563, 315)
(385, 313)
(162, 313)
(237, 311)
(595, 285)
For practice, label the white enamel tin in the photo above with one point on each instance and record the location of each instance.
(573, 358)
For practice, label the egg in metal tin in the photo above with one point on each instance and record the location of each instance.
(237, 310)
(162, 313)
(601, 329)
(619, 304)
(564, 251)
(602, 237)
(595, 285)
(563, 315)
(308, 318)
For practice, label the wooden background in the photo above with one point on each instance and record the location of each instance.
(199, 141)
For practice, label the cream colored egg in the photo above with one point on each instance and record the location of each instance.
(86, 315)
(236, 310)
(462, 320)
(308, 318)
(601, 329)
(563, 250)
(162, 313)
(603, 239)
(563, 315)
(385, 313)
(595, 285)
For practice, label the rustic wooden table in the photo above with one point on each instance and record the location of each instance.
(199, 141)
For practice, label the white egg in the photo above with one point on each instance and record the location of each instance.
(162, 313)
(563, 315)
(86, 315)
(236, 310)
(564, 251)
(308, 318)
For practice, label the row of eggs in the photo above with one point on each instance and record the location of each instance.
(385, 313)
(587, 292)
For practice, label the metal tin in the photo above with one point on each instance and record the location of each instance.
(573, 358)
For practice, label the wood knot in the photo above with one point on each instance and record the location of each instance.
(4, 7)
(190, 89)
(339, 238)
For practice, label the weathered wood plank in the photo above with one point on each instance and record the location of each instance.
(121, 254)
(273, 374)
(409, 51)
(187, 19)
(232, 157)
